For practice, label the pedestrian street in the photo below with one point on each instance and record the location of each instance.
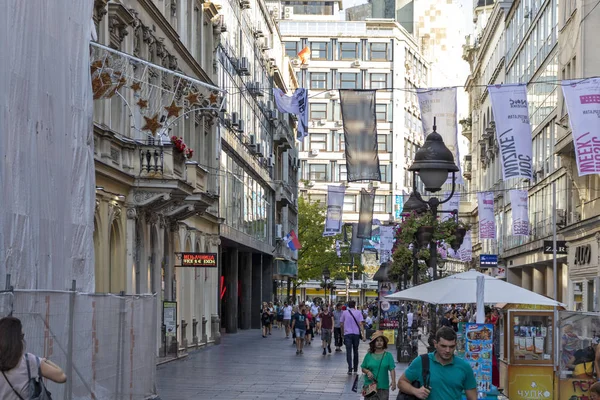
(248, 366)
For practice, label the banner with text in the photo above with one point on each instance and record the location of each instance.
(386, 243)
(583, 104)
(449, 206)
(335, 205)
(520, 212)
(296, 104)
(487, 221)
(513, 130)
(441, 104)
(365, 216)
(360, 135)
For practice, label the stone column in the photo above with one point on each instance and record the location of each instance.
(549, 279)
(267, 278)
(526, 278)
(230, 271)
(538, 280)
(256, 290)
(246, 279)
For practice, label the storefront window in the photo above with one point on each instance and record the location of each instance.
(579, 335)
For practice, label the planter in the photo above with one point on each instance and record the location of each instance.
(459, 234)
(424, 235)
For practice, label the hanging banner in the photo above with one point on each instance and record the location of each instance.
(487, 221)
(335, 205)
(356, 244)
(583, 104)
(295, 104)
(360, 135)
(520, 212)
(365, 217)
(465, 253)
(386, 243)
(451, 205)
(441, 104)
(513, 130)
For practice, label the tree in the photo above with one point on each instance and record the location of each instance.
(318, 252)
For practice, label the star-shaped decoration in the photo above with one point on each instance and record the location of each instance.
(152, 124)
(173, 110)
(213, 98)
(193, 98)
(142, 103)
(136, 87)
(96, 65)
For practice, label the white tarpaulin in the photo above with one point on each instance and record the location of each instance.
(462, 288)
(47, 165)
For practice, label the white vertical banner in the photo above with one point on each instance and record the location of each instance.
(386, 243)
(441, 104)
(466, 250)
(335, 206)
(450, 205)
(520, 212)
(513, 130)
(487, 222)
(583, 104)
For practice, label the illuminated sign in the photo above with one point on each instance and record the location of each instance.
(199, 260)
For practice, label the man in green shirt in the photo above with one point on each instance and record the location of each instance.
(449, 376)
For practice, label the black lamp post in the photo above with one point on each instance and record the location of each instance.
(433, 162)
(326, 275)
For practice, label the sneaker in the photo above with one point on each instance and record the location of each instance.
(329, 349)
(338, 349)
(264, 336)
(297, 352)
(324, 352)
(350, 371)
(301, 352)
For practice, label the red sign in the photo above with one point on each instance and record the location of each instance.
(199, 260)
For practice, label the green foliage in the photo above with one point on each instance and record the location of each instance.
(318, 252)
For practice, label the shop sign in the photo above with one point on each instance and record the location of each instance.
(488, 260)
(583, 254)
(561, 247)
(577, 389)
(531, 383)
(199, 260)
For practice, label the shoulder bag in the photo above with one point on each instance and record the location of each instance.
(416, 383)
(37, 389)
(370, 391)
(358, 326)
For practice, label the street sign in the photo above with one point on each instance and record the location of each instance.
(488, 260)
(199, 260)
(561, 247)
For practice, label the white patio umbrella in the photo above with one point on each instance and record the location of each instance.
(462, 288)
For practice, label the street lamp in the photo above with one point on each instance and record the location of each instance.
(325, 279)
(433, 162)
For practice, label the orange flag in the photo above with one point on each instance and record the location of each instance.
(304, 55)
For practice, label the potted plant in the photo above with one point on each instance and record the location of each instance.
(181, 148)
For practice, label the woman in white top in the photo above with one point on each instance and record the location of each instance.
(14, 382)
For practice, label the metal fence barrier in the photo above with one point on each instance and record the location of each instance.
(106, 344)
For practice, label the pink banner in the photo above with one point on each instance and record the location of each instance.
(487, 222)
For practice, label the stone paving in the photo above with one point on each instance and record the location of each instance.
(247, 366)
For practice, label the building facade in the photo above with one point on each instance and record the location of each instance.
(153, 201)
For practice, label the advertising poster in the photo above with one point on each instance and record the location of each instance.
(531, 383)
(170, 318)
(478, 352)
(390, 315)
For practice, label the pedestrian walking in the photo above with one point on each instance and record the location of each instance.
(378, 366)
(326, 317)
(352, 323)
(449, 376)
(337, 330)
(299, 327)
(271, 316)
(310, 324)
(265, 318)
(287, 317)
(19, 367)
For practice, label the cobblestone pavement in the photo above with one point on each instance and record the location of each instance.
(248, 366)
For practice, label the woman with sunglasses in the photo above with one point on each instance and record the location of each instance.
(14, 363)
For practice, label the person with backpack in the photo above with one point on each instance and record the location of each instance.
(21, 371)
(378, 365)
(439, 375)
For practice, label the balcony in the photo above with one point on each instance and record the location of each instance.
(284, 193)
(158, 161)
(283, 134)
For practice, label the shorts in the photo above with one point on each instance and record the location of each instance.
(326, 335)
(286, 322)
(280, 318)
(300, 333)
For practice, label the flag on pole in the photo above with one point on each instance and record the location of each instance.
(292, 241)
(304, 55)
(296, 104)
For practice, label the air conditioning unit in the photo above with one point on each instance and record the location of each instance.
(245, 4)
(259, 150)
(374, 184)
(240, 126)
(279, 231)
(274, 11)
(295, 62)
(270, 160)
(561, 217)
(314, 152)
(356, 63)
(266, 44)
(323, 121)
(338, 123)
(288, 12)
(244, 66)
(273, 115)
(258, 32)
(235, 119)
(252, 140)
